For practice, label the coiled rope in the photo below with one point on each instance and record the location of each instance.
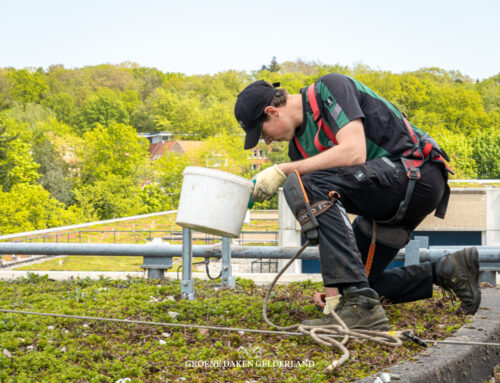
(323, 334)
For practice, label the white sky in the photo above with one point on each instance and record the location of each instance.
(210, 36)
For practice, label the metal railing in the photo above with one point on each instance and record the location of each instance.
(158, 256)
(250, 236)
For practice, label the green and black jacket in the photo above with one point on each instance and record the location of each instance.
(342, 99)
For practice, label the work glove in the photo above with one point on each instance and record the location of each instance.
(267, 183)
(327, 304)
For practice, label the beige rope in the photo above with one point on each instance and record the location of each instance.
(322, 335)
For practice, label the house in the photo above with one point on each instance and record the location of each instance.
(156, 150)
(259, 157)
(155, 138)
(162, 142)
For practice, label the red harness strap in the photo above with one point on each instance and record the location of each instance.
(321, 124)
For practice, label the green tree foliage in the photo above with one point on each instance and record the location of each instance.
(30, 207)
(169, 170)
(22, 167)
(460, 150)
(27, 86)
(63, 105)
(53, 170)
(5, 165)
(272, 67)
(5, 94)
(114, 166)
(224, 153)
(110, 196)
(74, 131)
(486, 152)
(115, 149)
(103, 108)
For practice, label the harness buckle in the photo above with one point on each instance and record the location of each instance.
(412, 168)
(414, 174)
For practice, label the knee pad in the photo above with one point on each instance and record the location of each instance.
(393, 236)
(297, 200)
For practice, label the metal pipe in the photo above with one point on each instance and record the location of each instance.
(486, 254)
(227, 278)
(187, 283)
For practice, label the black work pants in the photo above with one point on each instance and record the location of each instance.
(373, 190)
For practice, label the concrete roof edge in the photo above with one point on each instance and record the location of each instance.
(457, 363)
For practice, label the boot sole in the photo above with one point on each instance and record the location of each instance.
(383, 326)
(472, 262)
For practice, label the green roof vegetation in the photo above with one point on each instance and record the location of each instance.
(47, 349)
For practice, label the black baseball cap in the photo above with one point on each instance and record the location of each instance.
(250, 106)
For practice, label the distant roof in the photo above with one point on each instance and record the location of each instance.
(161, 134)
(179, 147)
(187, 146)
(157, 150)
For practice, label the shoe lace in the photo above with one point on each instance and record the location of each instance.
(340, 304)
(449, 295)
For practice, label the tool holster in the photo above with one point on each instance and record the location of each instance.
(306, 214)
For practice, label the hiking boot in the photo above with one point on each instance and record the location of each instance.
(359, 309)
(459, 272)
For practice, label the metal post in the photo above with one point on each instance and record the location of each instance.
(488, 276)
(187, 286)
(227, 279)
(412, 250)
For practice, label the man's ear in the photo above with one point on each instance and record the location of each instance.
(272, 111)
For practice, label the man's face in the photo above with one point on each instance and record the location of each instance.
(277, 128)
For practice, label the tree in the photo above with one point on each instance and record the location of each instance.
(169, 170)
(114, 165)
(103, 108)
(115, 149)
(26, 86)
(110, 196)
(485, 151)
(5, 165)
(63, 105)
(225, 153)
(53, 170)
(272, 67)
(459, 149)
(18, 165)
(30, 207)
(5, 94)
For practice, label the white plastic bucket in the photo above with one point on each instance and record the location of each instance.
(213, 201)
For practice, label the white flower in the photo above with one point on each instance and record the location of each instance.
(173, 314)
(7, 353)
(51, 327)
(162, 342)
(165, 334)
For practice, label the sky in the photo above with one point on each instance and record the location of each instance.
(206, 37)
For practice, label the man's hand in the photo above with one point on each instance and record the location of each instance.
(319, 299)
(267, 183)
